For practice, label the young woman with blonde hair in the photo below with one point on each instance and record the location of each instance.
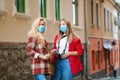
(37, 49)
(68, 49)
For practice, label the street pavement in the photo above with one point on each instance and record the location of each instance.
(109, 78)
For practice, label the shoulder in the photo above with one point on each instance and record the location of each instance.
(76, 39)
(56, 37)
(32, 39)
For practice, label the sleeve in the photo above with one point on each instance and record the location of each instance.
(78, 46)
(55, 40)
(52, 59)
(30, 47)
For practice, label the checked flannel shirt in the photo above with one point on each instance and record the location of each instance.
(39, 66)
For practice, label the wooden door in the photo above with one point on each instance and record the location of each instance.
(107, 61)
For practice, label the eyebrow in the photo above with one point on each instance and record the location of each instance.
(41, 24)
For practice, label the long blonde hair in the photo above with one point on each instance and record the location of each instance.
(33, 31)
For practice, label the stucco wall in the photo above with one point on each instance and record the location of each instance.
(14, 29)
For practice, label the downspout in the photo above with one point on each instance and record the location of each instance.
(86, 39)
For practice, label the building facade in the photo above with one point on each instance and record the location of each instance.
(103, 38)
(94, 21)
(16, 18)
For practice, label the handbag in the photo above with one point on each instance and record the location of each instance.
(51, 64)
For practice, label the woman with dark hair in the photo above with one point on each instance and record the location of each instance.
(68, 49)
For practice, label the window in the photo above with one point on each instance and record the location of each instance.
(43, 8)
(104, 19)
(92, 11)
(93, 60)
(115, 56)
(102, 57)
(75, 12)
(97, 14)
(115, 20)
(111, 57)
(21, 9)
(99, 59)
(57, 9)
(20, 6)
(3, 11)
(111, 24)
(108, 22)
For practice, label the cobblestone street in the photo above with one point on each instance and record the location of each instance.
(109, 78)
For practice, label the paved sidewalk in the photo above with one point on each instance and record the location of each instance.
(109, 78)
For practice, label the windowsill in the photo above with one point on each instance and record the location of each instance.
(56, 23)
(77, 27)
(92, 25)
(95, 26)
(21, 16)
(98, 27)
(49, 21)
(3, 12)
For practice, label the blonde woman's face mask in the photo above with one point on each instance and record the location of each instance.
(41, 28)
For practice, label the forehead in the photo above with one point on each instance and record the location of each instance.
(62, 22)
(42, 21)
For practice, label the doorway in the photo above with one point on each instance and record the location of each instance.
(107, 61)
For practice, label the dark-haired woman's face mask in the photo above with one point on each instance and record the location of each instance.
(63, 28)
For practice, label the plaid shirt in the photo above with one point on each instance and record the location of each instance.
(39, 66)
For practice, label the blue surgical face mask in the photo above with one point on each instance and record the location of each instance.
(41, 29)
(63, 28)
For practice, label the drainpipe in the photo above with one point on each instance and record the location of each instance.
(86, 39)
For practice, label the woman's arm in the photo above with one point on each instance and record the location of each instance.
(30, 49)
(30, 46)
(78, 49)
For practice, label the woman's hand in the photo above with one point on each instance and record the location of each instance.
(54, 52)
(47, 56)
(66, 55)
(73, 53)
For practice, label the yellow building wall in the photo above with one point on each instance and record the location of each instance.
(93, 30)
(14, 28)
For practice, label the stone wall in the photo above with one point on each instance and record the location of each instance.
(14, 62)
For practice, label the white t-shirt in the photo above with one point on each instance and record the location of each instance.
(62, 44)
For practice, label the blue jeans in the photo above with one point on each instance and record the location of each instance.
(62, 70)
(40, 77)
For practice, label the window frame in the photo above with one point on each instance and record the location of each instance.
(57, 10)
(92, 11)
(93, 60)
(111, 21)
(104, 11)
(20, 6)
(97, 14)
(75, 12)
(3, 10)
(43, 8)
(20, 15)
(108, 20)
